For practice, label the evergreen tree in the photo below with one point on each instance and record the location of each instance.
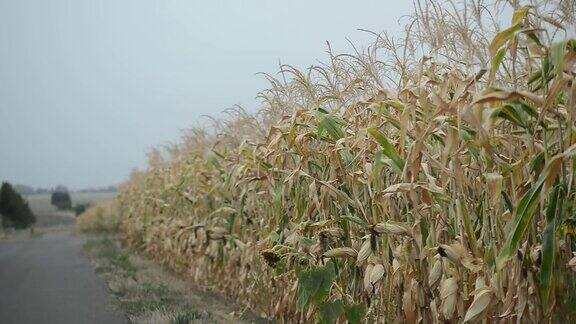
(61, 199)
(80, 208)
(14, 209)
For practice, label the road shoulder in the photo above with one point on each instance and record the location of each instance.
(148, 293)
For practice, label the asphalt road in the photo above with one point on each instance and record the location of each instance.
(49, 280)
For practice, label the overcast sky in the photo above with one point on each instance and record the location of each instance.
(86, 87)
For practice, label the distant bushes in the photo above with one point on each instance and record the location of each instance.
(100, 218)
(14, 209)
(79, 209)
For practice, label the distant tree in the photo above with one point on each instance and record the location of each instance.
(61, 199)
(14, 209)
(98, 189)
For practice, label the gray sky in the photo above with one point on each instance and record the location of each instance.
(86, 87)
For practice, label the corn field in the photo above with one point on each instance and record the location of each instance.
(424, 179)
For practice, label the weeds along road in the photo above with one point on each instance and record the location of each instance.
(48, 280)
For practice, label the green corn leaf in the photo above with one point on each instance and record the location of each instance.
(520, 14)
(330, 125)
(535, 76)
(496, 61)
(330, 312)
(354, 219)
(355, 313)
(525, 212)
(512, 114)
(467, 224)
(395, 104)
(388, 149)
(384, 111)
(315, 284)
(548, 248)
(557, 52)
(503, 37)
(537, 162)
(518, 113)
(548, 251)
(507, 201)
(466, 135)
(527, 109)
(343, 196)
(533, 37)
(212, 159)
(545, 75)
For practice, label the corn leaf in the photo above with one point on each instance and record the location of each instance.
(330, 125)
(355, 313)
(387, 148)
(548, 248)
(330, 311)
(520, 14)
(503, 37)
(525, 212)
(557, 52)
(315, 284)
(496, 61)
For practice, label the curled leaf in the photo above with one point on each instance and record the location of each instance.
(376, 273)
(448, 295)
(435, 273)
(393, 228)
(479, 304)
(364, 253)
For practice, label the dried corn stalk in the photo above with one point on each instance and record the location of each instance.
(387, 189)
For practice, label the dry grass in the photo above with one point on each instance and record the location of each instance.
(426, 179)
(146, 293)
(101, 218)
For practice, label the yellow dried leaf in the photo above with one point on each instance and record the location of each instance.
(479, 305)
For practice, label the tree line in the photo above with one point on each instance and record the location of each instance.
(28, 190)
